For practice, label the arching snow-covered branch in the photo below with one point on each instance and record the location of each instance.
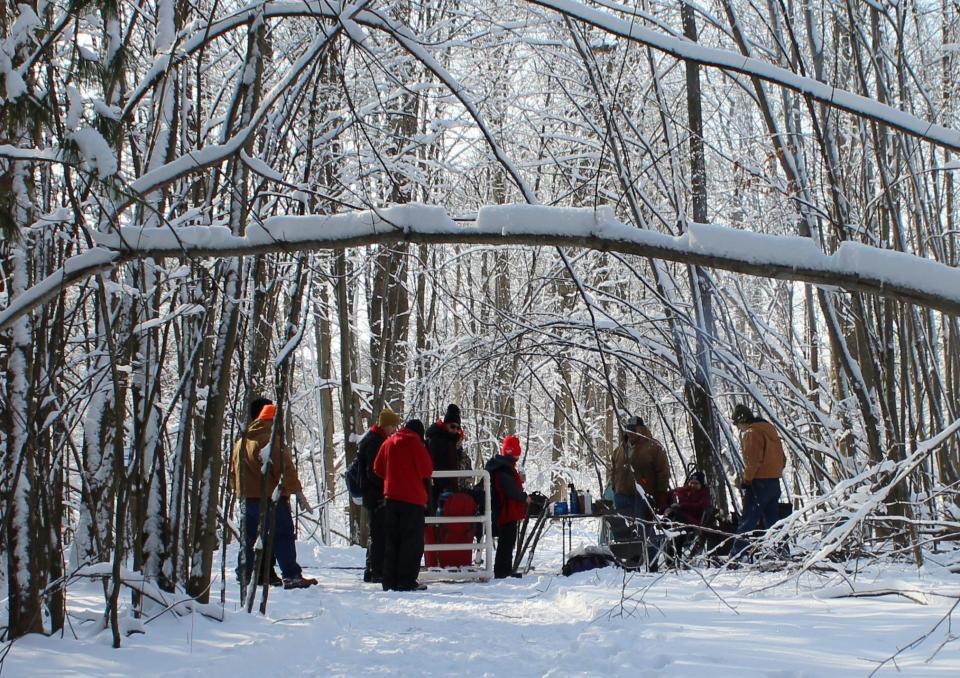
(853, 267)
(75, 269)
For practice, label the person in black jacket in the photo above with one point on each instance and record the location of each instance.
(367, 450)
(445, 444)
(509, 503)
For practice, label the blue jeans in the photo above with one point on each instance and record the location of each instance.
(760, 499)
(284, 544)
(633, 506)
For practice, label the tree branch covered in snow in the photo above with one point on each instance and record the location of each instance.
(853, 267)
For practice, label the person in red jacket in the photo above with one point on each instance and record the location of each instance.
(405, 466)
(689, 503)
(509, 502)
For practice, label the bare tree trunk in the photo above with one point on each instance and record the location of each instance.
(190, 349)
(348, 409)
(206, 496)
(284, 370)
(325, 387)
(20, 520)
(389, 321)
(699, 390)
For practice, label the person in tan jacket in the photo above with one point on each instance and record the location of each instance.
(763, 463)
(247, 478)
(639, 469)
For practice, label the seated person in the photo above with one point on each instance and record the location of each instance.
(689, 503)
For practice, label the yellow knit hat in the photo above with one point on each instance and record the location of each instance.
(388, 418)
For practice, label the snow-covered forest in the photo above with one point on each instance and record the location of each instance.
(554, 213)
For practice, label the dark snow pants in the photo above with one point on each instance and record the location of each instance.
(507, 539)
(403, 545)
(628, 505)
(376, 543)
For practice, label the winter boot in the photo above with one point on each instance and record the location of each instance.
(416, 586)
(300, 582)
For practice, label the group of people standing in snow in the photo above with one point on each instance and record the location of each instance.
(399, 492)
(640, 477)
(398, 461)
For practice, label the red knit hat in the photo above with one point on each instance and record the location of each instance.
(510, 447)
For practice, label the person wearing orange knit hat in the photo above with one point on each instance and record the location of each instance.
(509, 503)
(246, 478)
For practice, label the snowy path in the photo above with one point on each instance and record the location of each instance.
(542, 625)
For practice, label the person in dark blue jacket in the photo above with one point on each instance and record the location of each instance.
(509, 503)
(367, 450)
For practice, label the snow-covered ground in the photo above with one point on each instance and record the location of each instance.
(729, 624)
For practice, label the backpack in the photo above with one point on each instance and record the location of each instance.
(588, 559)
(538, 504)
(354, 478)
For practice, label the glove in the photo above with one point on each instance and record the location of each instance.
(304, 504)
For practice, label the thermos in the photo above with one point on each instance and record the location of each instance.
(587, 503)
(574, 499)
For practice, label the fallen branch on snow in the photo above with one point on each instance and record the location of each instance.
(137, 582)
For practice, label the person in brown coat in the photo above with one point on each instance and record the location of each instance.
(639, 470)
(763, 463)
(246, 477)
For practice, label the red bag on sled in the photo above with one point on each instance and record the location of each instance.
(453, 504)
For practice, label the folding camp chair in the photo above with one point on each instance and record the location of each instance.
(624, 535)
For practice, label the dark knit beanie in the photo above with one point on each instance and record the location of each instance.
(416, 426)
(453, 415)
(742, 414)
(699, 476)
(633, 422)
